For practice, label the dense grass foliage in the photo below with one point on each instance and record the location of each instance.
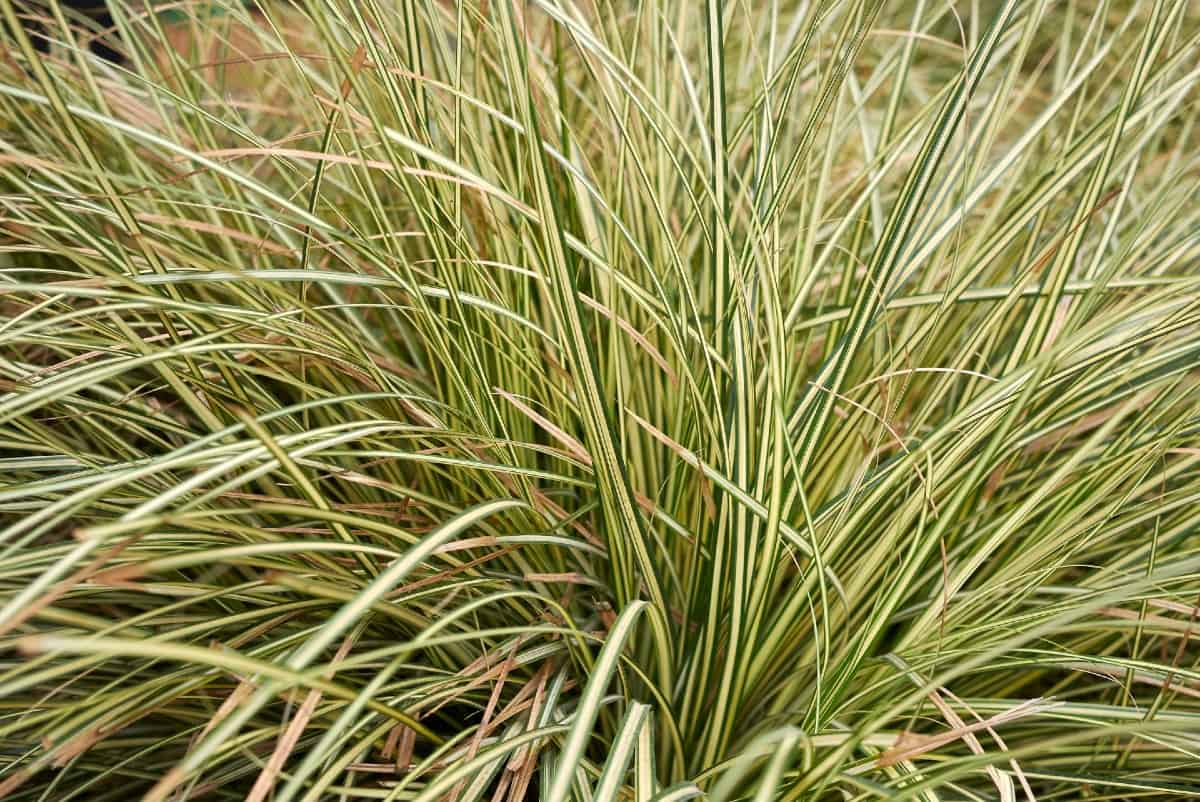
(595, 400)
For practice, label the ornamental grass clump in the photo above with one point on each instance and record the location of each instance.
(650, 400)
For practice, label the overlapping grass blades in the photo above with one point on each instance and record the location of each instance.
(636, 400)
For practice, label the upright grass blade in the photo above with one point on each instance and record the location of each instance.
(589, 705)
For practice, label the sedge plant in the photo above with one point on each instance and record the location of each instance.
(598, 400)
